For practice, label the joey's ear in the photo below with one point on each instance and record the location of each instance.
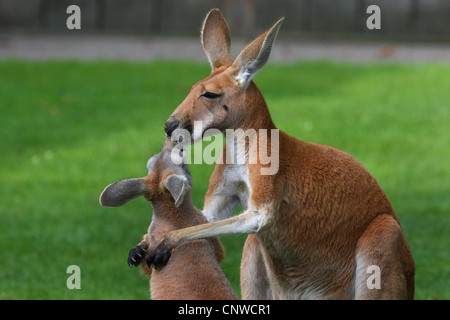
(255, 55)
(216, 39)
(178, 186)
(120, 192)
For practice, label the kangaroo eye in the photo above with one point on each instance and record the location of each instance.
(210, 95)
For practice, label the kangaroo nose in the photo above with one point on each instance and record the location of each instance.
(170, 126)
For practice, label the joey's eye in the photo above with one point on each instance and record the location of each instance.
(210, 95)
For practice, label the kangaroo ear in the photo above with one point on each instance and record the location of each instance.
(178, 186)
(255, 55)
(216, 39)
(120, 192)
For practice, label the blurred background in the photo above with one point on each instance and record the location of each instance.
(80, 109)
(313, 29)
(427, 19)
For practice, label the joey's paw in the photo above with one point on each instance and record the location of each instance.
(159, 256)
(136, 254)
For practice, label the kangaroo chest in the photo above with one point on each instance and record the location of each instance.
(235, 183)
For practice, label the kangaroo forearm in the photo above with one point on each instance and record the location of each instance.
(248, 222)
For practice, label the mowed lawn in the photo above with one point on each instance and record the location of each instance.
(68, 129)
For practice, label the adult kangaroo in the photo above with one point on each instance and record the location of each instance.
(320, 226)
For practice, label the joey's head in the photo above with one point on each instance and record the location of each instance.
(227, 96)
(167, 181)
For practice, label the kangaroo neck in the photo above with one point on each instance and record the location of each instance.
(257, 115)
(250, 141)
(185, 215)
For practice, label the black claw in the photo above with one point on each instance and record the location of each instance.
(156, 261)
(150, 259)
(135, 255)
(159, 256)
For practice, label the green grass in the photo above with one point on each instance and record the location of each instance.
(67, 129)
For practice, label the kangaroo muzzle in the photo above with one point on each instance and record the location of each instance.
(170, 126)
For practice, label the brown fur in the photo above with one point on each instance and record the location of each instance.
(193, 272)
(318, 223)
